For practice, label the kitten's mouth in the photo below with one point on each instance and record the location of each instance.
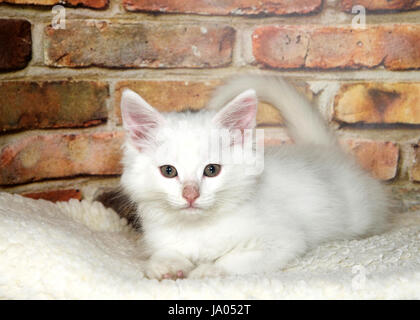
(191, 208)
(187, 208)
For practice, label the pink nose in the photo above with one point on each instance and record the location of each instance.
(190, 193)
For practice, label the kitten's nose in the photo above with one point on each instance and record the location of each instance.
(190, 193)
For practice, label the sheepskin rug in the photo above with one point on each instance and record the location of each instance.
(80, 250)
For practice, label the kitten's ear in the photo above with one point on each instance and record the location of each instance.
(240, 113)
(139, 118)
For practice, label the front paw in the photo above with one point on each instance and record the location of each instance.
(168, 267)
(207, 270)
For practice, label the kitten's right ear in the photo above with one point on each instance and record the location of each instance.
(139, 118)
(240, 113)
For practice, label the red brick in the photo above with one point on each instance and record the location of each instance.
(332, 47)
(379, 158)
(128, 45)
(281, 47)
(55, 195)
(42, 157)
(169, 95)
(381, 5)
(397, 47)
(93, 4)
(370, 102)
(223, 7)
(15, 44)
(415, 169)
(52, 104)
(402, 43)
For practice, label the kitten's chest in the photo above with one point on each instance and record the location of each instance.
(201, 243)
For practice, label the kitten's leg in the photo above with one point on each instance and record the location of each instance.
(249, 261)
(241, 262)
(167, 265)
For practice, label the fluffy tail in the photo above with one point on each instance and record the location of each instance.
(304, 122)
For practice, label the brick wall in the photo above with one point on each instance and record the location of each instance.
(60, 123)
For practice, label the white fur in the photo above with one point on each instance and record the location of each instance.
(80, 250)
(308, 193)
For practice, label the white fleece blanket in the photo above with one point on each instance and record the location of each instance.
(80, 250)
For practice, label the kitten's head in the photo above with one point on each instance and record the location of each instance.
(168, 163)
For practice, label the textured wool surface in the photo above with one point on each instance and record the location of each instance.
(80, 250)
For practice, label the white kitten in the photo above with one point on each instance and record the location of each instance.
(202, 220)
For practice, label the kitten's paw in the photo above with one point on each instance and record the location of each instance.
(207, 270)
(162, 267)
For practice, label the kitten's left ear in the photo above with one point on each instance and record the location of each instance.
(240, 113)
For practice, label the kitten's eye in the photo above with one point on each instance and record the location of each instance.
(212, 170)
(168, 171)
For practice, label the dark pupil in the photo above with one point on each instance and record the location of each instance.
(212, 169)
(168, 171)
